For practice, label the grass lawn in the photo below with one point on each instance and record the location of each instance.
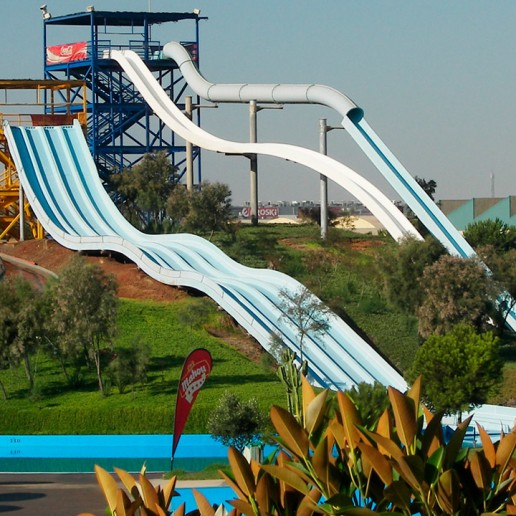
(57, 408)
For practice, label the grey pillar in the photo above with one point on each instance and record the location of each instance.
(323, 179)
(189, 148)
(253, 163)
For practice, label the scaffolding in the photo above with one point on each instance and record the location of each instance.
(121, 127)
(30, 102)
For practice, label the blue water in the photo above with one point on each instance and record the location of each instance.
(215, 495)
(79, 453)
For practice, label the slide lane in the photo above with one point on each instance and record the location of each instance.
(62, 184)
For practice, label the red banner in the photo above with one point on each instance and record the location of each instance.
(68, 52)
(196, 370)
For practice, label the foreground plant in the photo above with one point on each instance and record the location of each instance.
(331, 464)
(147, 500)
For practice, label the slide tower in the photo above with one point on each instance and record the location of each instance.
(121, 127)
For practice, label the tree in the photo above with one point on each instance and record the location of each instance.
(489, 232)
(129, 366)
(459, 369)
(402, 268)
(84, 312)
(370, 400)
(308, 314)
(429, 186)
(503, 273)
(456, 290)
(144, 189)
(196, 313)
(204, 210)
(21, 325)
(236, 423)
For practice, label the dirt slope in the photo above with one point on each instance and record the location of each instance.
(132, 282)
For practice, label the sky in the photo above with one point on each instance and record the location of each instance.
(436, 80)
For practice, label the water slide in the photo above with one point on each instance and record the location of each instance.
(493, 418)
(62, 184)
(354, 123)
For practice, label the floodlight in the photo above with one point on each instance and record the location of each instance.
(44, 12)
(90, 8)
(197, 11)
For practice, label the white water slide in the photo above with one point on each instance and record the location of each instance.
(60, 179)
(354, 123)
(62, 185)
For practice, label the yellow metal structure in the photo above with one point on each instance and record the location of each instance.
(45, 109)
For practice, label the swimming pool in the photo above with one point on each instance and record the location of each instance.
(79, 453)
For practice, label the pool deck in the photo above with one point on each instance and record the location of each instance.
(65, 494)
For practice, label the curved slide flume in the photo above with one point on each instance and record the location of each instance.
(354, 123)
(385, 211)
(61, 182)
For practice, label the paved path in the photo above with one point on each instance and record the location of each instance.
(60, 494)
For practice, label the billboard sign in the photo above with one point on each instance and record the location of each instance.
(268, 212)
(66, 53)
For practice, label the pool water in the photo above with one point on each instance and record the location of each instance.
(79, 453)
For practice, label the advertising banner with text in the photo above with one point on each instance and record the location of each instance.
(196, 370)
(66, 53)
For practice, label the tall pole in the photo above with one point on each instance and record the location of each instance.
(189, 148)
(253, 159)
(21, 202)
(323, 130)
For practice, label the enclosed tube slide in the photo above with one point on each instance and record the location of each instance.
(353, 121)
(61, 182)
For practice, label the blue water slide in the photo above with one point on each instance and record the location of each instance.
(355, 124)
(62, 184)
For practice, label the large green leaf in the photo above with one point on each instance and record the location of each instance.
(377, 462)
(128, 481)
(266, 493)
(454, 445)
(203, 504)
(293, 435)
(350, 419)
(480, 469)
(487, 446)
(242, 473)
(108, 485)
(290, 477)
(505, 450)
(314, 413)
(412, 470)
(434, 466)
(448, 492)
(149, 495)
(404, 417)
(386, 446)
(400, 495)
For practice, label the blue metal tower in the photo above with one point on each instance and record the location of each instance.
(121, 127)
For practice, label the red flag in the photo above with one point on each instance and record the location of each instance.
(196, 370)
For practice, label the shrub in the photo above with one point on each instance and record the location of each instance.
(235, 422)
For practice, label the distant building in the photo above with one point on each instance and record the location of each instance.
(464, 212)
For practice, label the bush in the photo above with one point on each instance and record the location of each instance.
(235, 422)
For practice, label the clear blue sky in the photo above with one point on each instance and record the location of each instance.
(436, 80)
